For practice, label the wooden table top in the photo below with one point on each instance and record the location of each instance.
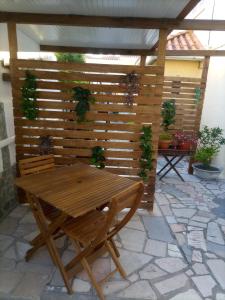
(76, 189)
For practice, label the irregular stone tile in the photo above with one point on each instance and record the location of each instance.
(170, 264)
(134, 277)
(157, 229)
(135, 223)
(132, 261)
(217, 249)
(211, 255)
(9, 280)
(201, 219)
(197, 256)
(217, 267)
(183, 220)
(171, 220)
(178, 205)
(42, 257)
(24, 266)
(139, 290)
(200, 269)
(7, 264)
(174, 251)
(5, 242)
(189, 273)
(28, 218)
(151, 272)
(196, 240)
(161, 199)
(166, 210)
(11, 253)
(8, 226)
(102, 267)
(156, 248)
(156, 210)
(81, 286)
(189, 295)
(197, 224)
(172, 283)
(187, 252)
(30, 236)
(190, 228)
(214, 234)
(19, 211)
(132, 239)
(220, 221)
(205, 284)
(177, 227)
(31, 285)
(23, 230)
(22, 249)
(220, 296)
(180, 239)
(111, 287)
(184, 212)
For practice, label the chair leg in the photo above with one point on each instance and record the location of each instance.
(92, 278)
(116, 260)
(114, 247)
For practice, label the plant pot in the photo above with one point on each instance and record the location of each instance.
(184, 146)
(164, 144)
(211, 173)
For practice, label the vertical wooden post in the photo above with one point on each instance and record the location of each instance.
(159, 93)
(142, 60)
(12, 37)
(200, 104)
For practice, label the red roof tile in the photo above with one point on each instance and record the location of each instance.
(185, 40)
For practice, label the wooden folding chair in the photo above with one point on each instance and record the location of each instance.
(33, 165)
(96, 230)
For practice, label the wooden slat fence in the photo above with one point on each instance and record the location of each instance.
(111, 123)
(188, 109)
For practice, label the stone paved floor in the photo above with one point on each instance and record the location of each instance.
(177, 252)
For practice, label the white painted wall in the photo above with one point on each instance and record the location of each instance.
(24, 44)
(213, 113)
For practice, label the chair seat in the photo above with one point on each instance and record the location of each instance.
(85, 228)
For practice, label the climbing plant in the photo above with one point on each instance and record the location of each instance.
(146, 147)
(29, 97)
(84, 98)
(197, 95)
(131, 84)
(98, 158)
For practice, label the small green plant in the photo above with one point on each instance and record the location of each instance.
(197, 95)
(168, 114)
(29, 97)
(146, 157)
(84, 98)
(209, 142)
(98, 158)
(165, 136)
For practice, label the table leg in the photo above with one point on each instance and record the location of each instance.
(167, 164)
(172, 167)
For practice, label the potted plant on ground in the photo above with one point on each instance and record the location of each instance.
(185, 140)
(209, 143)
(168, 114)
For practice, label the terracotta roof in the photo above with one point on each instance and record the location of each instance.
(185, 40)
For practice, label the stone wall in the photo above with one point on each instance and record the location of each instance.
(7, 172)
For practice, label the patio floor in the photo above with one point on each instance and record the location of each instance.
(177, 252)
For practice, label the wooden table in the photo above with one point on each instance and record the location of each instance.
(176, 156)
(74, 191)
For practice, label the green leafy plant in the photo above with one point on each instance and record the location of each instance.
(84, 98)
(70, 57)
(168, 114)
(209, 142)
(165, 136)
(98, 158)
(29, 97)
(197, 95)
(146, 147)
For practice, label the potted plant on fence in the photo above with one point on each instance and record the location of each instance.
(168, 114)
(209, 143)
(185, 140)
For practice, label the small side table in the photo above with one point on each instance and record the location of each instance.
(172, 157)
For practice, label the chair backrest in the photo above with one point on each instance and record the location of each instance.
(131, 198)
(36, 164)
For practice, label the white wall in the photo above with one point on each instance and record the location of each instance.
(24, 44)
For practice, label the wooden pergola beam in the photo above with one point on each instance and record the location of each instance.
(141, 52)
(116, 22)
